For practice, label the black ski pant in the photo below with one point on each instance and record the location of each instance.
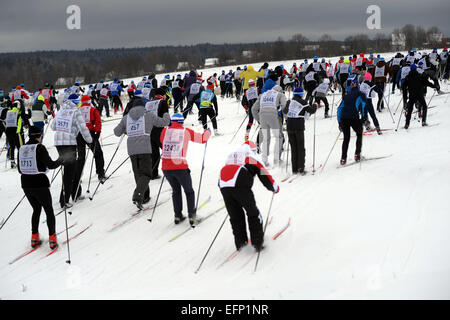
(41, 198)
(222, 88)
(117, 103)
(156, 145)
(96, 149)
(238, 86)
(410, 105)
(380, 91)
(103, 104)
(177, 100)
(69, 154)
(297, 143)
(371, 112)
(240, 202)
(142, 170)
(13, 139)
(181, 179)
(250, 115)
(325, 102)
(208, 112)
(356, 125)
(189, 108)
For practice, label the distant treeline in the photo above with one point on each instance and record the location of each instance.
(35, 68)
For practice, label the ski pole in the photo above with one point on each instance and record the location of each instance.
(398, 124)
(264, 231)
(79, 180)
(201, 176)
(393, 121)
(210, 246)
(287, 154)
(157, 198)
(431, 98)
(95, 191)
(92, 164)
(314, 145)
(334, 144)
(332, 105)
(398, 106)
(238, 129)
(117, 148)
(65, 217)
(12, 212)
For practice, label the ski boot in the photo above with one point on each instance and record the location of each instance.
(52, 241)
(343, 161)
(379, 130)
(357, 157)
(424, 124)
(13, 164)
(193, 221)
(240, 245)
(178, 220)
(35, 240)
(217, 133)
(101, 178)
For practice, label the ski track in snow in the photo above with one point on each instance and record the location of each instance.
(375, 231)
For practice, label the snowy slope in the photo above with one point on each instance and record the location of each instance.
(376, 231)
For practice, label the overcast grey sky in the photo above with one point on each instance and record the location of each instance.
(27, 25)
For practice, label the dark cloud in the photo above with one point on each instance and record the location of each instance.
(41, 24)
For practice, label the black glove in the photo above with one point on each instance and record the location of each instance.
(340, 127)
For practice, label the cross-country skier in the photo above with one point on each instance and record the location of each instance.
(414, 85)
(175, 140)
(137, 125)
(249, 98)
(235, 183)
(297, 110)
(68, 122)
(267, 111)
(348, 116)
(34, 161)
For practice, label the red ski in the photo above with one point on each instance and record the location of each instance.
(26, 253)
(279, 233)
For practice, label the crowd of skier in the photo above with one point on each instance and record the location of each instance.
(153, 119)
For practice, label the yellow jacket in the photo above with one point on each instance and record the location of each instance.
(250, 73)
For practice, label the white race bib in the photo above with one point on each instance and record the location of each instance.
(11, 118)
(379, 72)
(86, 112)
(252, 93)
(63, 120)
(135, 128)
(294, 110)
(344, 68)
(195, 88)
(310, 76)
(28, 162)
(172, 147)
(152, 106)
(268, 100)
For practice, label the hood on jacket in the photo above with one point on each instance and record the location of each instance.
(277, 88)
(137, 111)
(250, 68)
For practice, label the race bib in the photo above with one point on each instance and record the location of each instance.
(379, 72)
(205, 99)
(396, 61)
(11, 118)
(365, 88)
(63, 121)
(405, 71)
(86, 112)
(152, 106)
(236, 158)
(195, 88)
(27, 156)
(310, 76)
(135, 128)
(268, 100)
(294, 109)
(344, 68)
(175, 84)
(173, 144)
(252, 93)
